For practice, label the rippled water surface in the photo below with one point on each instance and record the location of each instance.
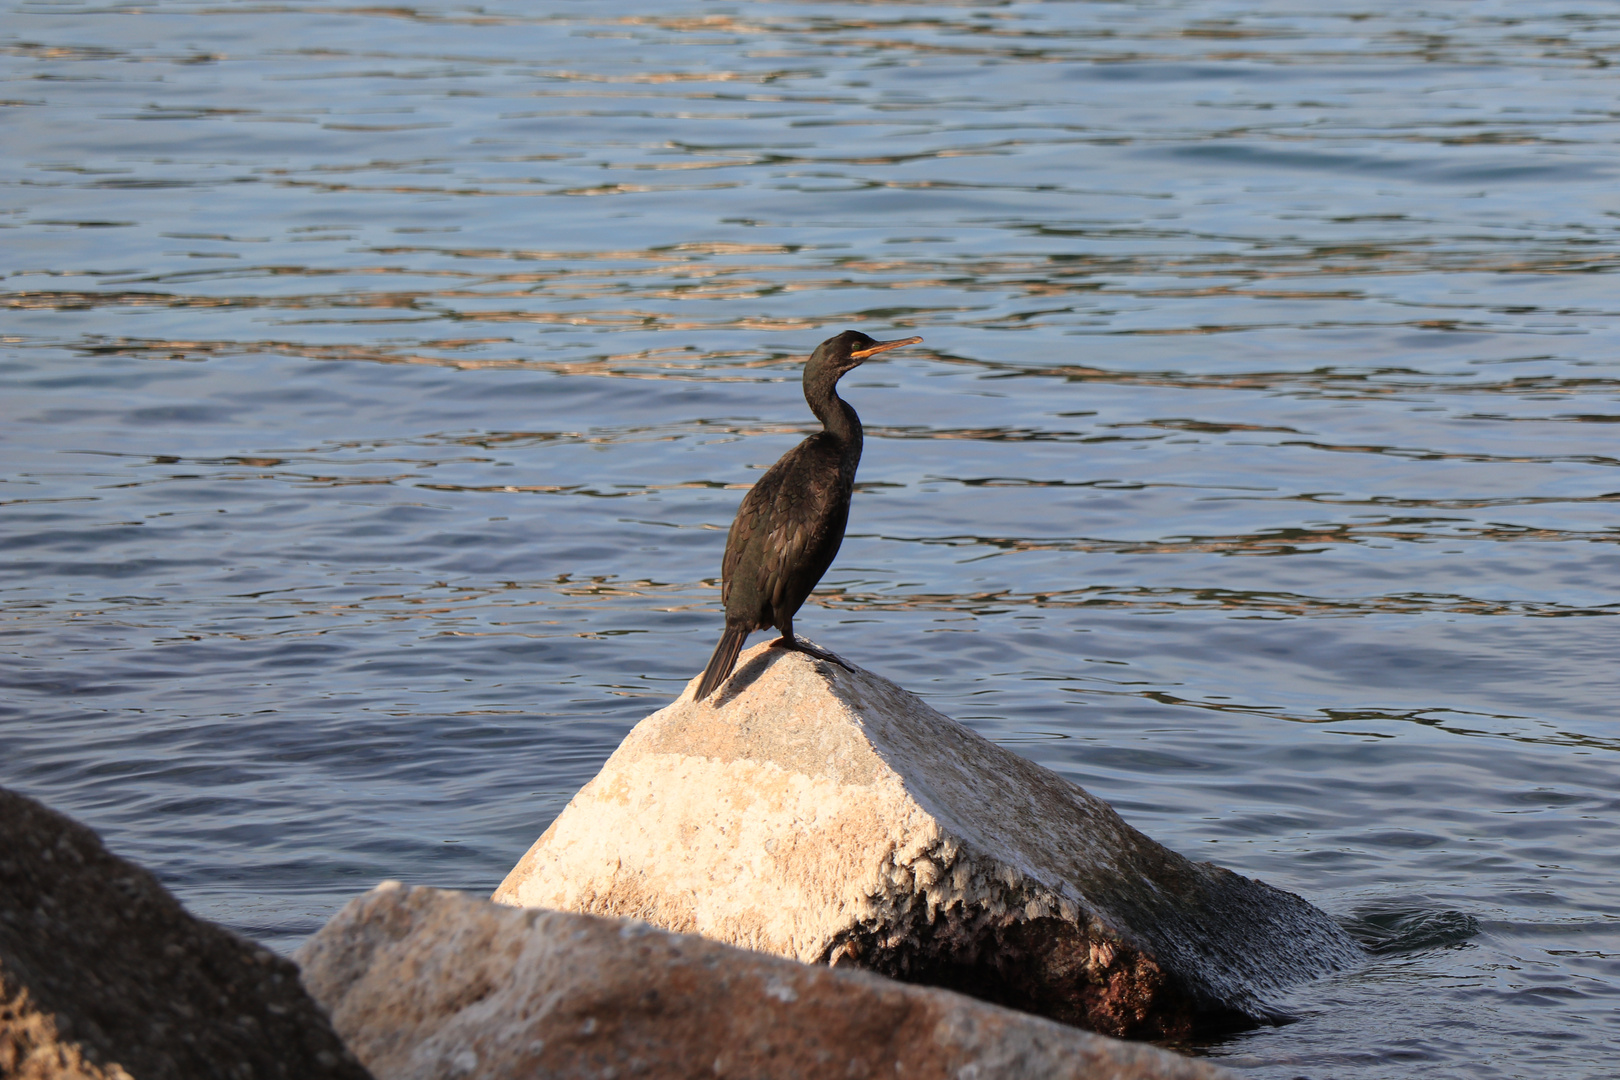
(377, 383)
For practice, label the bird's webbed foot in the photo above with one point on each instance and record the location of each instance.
(788, 641)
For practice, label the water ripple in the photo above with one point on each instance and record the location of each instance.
(378, 385)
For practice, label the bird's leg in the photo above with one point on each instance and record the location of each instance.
(788, 641)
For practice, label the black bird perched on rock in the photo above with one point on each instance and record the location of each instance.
(791, 522)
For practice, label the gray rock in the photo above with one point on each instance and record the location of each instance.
(832, 817)
(433, 985)
(104, 975)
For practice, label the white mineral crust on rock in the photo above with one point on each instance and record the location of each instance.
(430, 985)
(830, 816)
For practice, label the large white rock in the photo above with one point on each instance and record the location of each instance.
(432, 985)
(828, 815)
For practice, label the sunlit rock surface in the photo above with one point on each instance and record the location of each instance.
(830, 816)
(104, 976)
(433, 985)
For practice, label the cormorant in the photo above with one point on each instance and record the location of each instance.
(791, 522)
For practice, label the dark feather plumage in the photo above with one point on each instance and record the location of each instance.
(791, 522)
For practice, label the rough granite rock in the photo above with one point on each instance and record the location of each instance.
(104, 975)
(433, 985)
(829, 816)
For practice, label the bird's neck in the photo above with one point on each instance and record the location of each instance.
(835, 415)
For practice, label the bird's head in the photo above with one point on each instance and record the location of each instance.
(847, 351)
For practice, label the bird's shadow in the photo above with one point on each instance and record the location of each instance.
(748, 674)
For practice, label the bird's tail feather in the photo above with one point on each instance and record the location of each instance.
(724, 658)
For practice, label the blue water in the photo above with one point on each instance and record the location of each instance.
(377, 385)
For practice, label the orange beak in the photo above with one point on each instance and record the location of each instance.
(883, 346)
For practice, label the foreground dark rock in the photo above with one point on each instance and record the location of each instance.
(830, 816)
(432, 985)
(104, 975)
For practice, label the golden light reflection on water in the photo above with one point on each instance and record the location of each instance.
(379, 384)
